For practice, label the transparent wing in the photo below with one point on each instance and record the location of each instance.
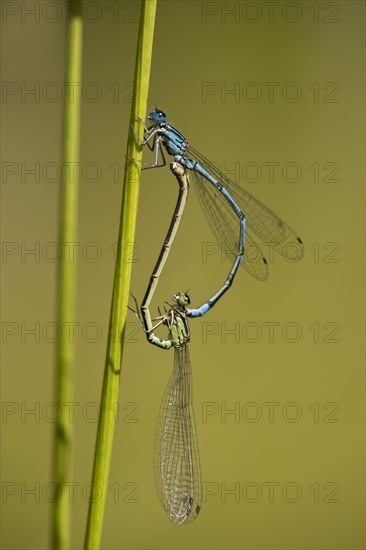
(176, 457)
(225, 226)
(261, 221)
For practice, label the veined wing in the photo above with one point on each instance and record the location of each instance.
(176, 457)
(261, 221)
(225, 226)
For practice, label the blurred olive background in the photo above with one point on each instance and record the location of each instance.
(274, 94)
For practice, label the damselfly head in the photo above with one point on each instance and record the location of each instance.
(182, 298)
(157, 115)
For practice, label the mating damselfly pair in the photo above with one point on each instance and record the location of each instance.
(239, 222)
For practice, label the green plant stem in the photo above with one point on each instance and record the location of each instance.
(121, 287)
(66, 279)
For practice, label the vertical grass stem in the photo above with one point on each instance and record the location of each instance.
(121, 287)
